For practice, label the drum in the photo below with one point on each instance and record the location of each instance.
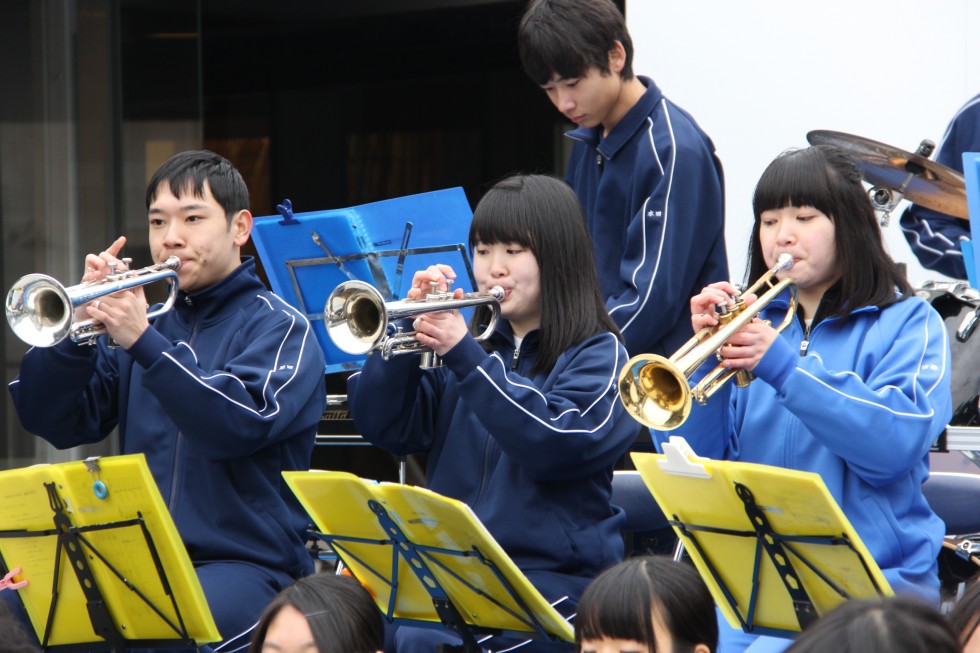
(959, 306)
(959, 565)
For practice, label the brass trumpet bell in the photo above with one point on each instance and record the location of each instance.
(656, 391)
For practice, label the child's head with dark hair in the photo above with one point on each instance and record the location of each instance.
(568, 37)
(340, 613)
(886, 625)
(188, 172)
(541, 214)
(651, 601)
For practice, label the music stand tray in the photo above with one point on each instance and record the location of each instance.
(771, 543)
(103, 561)
(427, 559)
(306, 255)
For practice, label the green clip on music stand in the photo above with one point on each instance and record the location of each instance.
(104, 565)
(772, 544)
(426, 558)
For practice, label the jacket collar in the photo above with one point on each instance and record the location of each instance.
(223, 296)
(625, 129)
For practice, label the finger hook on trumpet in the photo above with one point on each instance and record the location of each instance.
(357, 318)
(40, 310)
(656, 391)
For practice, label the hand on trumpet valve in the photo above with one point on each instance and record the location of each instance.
(123, 314)
(434, 279)
(746, 347)
(99, 266)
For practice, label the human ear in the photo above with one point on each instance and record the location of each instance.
(617, 58)
(241, 224)
(701, 648)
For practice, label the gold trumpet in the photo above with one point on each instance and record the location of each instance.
(357, 319)
(656, 390)
(41, 311)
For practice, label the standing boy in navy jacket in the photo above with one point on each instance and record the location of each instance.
(647, 176)
(221, 394)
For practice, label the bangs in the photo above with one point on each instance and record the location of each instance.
(617, 607)
(632, 622)
(553, 57)
(547, 28)
(502, 219)
(796, 178)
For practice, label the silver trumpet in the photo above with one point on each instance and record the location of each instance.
(41, 311)
(357, 318)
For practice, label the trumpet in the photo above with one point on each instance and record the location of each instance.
(656, 390)
(357, 318)
(41, 311)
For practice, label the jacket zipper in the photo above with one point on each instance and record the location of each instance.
(180, 437)
(805, 343)
(517, 353)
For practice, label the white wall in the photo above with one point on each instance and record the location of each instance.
(759, 74)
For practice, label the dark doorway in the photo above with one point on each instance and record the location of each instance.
(338, 103)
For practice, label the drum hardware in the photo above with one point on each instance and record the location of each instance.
(959, 306)
(895, 175)
(959, 565)
(963, 293)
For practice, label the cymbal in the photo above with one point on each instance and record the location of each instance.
(918, 178)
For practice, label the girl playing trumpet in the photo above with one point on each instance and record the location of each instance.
(856, 388)
(527, 429)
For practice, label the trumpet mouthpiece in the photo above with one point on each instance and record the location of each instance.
(784, 262)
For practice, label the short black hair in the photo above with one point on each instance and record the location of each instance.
(828, 179)
(543, 214)
(188, 171)
(885, 625)
(340, 611)
(568, 37)
(620, 602)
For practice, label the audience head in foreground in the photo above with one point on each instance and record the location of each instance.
(647, 604)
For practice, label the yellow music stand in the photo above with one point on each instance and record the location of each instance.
(103, 562)
(426, 558)
(772, 544)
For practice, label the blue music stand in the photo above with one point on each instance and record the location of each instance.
(971, 175)
(307, 255)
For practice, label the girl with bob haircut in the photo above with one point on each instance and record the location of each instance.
(322, 613)
(647, 604)
(894, 623)
(856, 388)
(525, 429)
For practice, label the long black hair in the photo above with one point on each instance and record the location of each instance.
(620, 602)
(827, 178)
(542, 214)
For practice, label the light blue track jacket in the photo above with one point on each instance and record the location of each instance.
(862, 409)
